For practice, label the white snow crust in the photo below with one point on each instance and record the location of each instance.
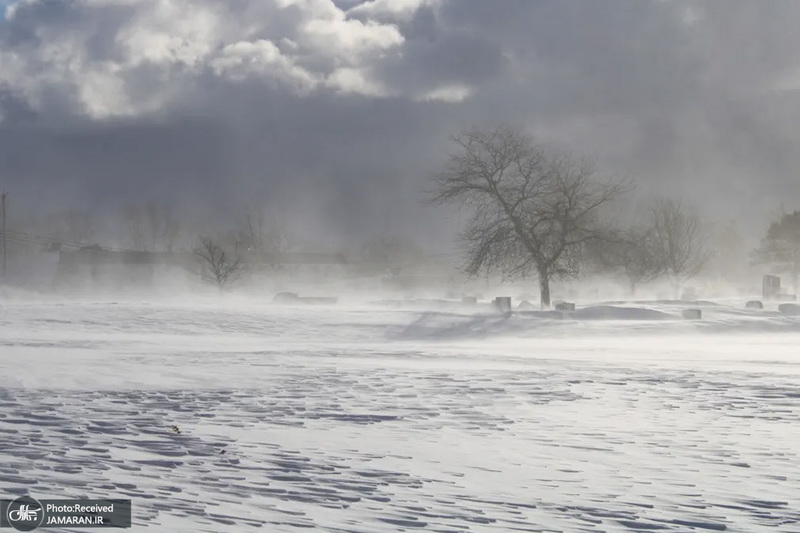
(365, 418)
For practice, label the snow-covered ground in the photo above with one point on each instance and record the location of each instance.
(369, 419)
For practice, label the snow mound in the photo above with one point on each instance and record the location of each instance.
(610, 312)
(600, 319)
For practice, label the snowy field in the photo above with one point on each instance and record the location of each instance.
(370, 419)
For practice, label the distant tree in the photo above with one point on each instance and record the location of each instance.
(261, 234)
(254, 221)
(161, 222)
(531, 211)
(73, 226)
(155, 221)
(79, 225)
(680, 243)
(780, 247)
(135, 224)
(223, 269)
(730, 260)
(171, 226)
(632, 252)
(390, 253)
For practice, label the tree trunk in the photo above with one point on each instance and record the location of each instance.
(676, 289)
(544, 289)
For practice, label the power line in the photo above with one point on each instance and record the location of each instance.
(19, 237)
(3, 196)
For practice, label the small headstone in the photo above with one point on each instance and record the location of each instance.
(692, 314)
(318, 300)
(285, 297)
(789, 309)
(503, 304)
(754, 304)
(565, 306)
(525, 304)
(469, 300)
(770, 286)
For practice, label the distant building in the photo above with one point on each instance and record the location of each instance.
(95, 267)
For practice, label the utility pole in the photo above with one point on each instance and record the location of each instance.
(3, 196)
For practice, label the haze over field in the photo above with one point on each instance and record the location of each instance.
(363, 266)
(334, 113)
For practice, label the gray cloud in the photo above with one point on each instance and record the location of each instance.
(336, 117)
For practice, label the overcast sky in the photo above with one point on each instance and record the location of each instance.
(339, 110)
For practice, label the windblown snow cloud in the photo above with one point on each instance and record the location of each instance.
(340, 108)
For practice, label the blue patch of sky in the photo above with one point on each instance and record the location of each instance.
(4, 6)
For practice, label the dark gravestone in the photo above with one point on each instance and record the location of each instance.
(789, 309)
(754, 304)
(692, 314)
(565, 306)
(503, 304)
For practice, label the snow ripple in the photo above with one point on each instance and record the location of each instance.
(367, 433)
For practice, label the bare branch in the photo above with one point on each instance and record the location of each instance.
(532, 211)
(222, 268)
(681, 245)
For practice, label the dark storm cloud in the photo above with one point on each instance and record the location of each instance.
(454, 57)
(340, 128)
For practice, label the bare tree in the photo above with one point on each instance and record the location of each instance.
(163, 225)
(135, 224)
(79, 225)
(222, 269)
(631, 252)
(780, 247)
(263, 236)
(75, 226)
(254, 223)
(390, 253)
(731, 259)
(681, 244)
(171, 226)
(531, 211)
(155, 221)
